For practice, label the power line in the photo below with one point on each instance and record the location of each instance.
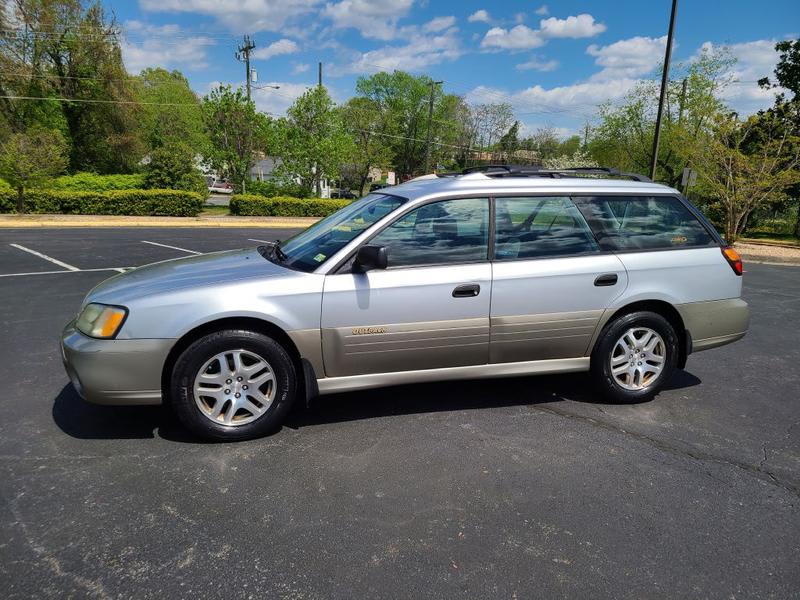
(92, 101)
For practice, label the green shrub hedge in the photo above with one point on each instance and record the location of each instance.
(284, 206)
(272, 189)
(165, 203)
(91, 182)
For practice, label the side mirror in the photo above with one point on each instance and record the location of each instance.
(369, 258)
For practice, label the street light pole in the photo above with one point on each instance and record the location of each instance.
(663, 95)
(430, 120)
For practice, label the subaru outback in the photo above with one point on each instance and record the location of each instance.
(493, 272)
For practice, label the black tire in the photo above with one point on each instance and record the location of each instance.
(601, 356)
(192, 359)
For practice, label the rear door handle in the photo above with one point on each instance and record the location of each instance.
(606, 279)
(469, 290)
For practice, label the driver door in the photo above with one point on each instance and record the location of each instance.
(429, 309)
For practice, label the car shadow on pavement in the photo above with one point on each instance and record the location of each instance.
(476, 394)
(82, 420)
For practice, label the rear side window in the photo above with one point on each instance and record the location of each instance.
(540, 227)
(643, 223)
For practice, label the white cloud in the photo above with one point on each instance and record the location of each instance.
(577, 100)
(580, 26)
(633, 57)
(537, 64)
(522, 37)
(300, 68)
(542, 11)
(422, 51)
(145, 45)
(755, 60)
(375, 19)
(282, 46)
(439, 24)
(276, 102)
(238, 15)
(479, 16)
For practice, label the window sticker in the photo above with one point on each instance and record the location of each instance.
(319, 257)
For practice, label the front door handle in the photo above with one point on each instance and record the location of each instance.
(606, 279)
(469, 290)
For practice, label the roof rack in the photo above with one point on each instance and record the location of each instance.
(537, 171)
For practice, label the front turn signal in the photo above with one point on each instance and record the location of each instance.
(101, 320)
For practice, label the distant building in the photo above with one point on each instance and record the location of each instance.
(264, 170)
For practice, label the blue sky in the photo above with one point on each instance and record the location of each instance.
(554, 62)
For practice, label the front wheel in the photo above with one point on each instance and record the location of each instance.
(233, 385)
(634, 357)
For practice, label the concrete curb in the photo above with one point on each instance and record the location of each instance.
(60, 221)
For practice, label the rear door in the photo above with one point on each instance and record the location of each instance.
(429, 309)
(551, 281)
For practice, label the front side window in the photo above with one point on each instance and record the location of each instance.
(643, 223)
(540, 227)
(309, 249)
(446, 232)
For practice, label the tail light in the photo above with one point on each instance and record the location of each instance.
(734, 260)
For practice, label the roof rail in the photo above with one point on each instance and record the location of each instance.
(538, 171)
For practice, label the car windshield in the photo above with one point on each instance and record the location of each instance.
(311, 248)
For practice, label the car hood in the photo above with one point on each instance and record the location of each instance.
(203, 270)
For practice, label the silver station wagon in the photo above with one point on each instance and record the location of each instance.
(500, 271)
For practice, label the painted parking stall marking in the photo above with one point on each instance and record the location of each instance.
(45, 257)
(171, 247)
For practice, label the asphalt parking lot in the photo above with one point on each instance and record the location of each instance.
(516, 488)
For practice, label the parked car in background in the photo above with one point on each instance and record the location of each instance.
(343, 194)
(502, 272)
(220, 186)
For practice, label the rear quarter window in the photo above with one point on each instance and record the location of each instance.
(643, 223)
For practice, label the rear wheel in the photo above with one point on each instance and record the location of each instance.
(233, 385)
(634, 357)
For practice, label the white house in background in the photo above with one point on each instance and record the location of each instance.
(264, 170)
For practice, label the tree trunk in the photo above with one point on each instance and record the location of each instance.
(797, 223)
(20, 200)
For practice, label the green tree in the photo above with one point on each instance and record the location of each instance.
(403, 101)
(172, 166)
(170, 110)
(787, 76)
(509, 143)
(624, 136)
(746, 164)
(236, 131)
(314, 142)
(70, 49)
(367, 124)
(29, 159)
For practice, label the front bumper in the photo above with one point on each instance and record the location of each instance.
(114, 371)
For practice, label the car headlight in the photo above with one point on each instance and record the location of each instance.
(101, 320)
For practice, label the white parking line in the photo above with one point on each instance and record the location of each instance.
(262, 241)
(172, 247)
(120, 269)
(44, 256)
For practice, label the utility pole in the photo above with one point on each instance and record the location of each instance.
(586, 134)
(319, 74)
(430, 121)
(663, 95)
(243, 55)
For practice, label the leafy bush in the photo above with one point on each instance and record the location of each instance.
(271, 189)
(170, 203)
(172, 167)
(284, 206)
(91, 182)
